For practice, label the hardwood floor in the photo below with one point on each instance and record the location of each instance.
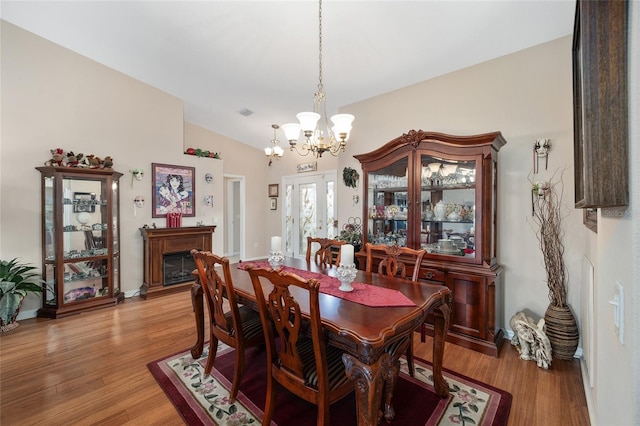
(90, 369)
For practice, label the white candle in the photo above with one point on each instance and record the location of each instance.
(346, 255)
(276, 243)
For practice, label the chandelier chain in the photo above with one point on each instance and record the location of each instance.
(320, 87)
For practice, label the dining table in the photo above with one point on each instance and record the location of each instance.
(380, 313)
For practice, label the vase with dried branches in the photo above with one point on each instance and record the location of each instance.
(561, 325)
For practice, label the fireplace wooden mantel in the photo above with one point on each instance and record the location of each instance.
(161, 241)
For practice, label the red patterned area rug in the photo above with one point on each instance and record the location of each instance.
(204, 400)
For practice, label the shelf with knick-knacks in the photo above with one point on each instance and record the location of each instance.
(80, 240)
(439, 192)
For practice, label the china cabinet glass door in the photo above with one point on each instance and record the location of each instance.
(80, 240)
(85, 242)
(448, 206)
(388, 204)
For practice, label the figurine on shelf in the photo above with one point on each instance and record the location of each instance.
(57, 155)
(440, 210)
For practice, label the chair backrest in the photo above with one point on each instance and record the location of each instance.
(395, 260)
(328, 253)
(216, 289)
(281, 315)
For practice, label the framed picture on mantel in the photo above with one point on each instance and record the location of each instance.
(173, 190)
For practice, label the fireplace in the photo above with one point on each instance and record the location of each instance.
(168, 266)
(177, 268)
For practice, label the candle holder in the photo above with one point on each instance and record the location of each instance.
(275, 259)
(346, 275)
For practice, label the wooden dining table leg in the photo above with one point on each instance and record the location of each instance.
(391, 368)
(440, 327)
(198, 309)
(369, 382)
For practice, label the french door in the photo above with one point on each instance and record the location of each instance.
(309, 210)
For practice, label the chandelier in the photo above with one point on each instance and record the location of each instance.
(319, 140)
(274, 151)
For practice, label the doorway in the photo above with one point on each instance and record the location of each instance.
(310, 210)
(234, 226)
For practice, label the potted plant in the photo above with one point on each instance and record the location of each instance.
(352, 234)
(17, 279)
(561, 325)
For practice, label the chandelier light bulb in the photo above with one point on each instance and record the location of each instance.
(308, 122)
(291, 131)
(342, 125)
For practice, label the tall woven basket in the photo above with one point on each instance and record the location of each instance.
(562, 331)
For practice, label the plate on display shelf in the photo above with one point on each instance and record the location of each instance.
(455, 251)
(392, 211)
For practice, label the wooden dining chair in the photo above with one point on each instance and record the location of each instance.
(239, 326)
(396, 261)
(301, 361)
(328, 253)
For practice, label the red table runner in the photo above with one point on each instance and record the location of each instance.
(363, 293)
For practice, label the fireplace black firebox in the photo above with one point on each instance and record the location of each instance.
(177, 268)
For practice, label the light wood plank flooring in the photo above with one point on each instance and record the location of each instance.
(90, 369)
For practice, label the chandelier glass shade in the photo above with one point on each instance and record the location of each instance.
(319, 136)
(275, 150)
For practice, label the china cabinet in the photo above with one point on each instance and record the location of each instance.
(439, 192)
(80, 240)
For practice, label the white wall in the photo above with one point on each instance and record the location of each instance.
(52, 97)
(526, 95)
(616, 395)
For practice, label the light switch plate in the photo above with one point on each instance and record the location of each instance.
(619, 311)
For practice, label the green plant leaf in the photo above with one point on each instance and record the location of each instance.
(9, 305)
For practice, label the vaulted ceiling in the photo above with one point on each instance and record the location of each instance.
(222, 57)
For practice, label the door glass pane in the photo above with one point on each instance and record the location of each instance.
(309, 210)
(308, 216)
(332, 220)
(288, 219)
(448, 206)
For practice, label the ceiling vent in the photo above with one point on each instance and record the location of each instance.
(246, 112)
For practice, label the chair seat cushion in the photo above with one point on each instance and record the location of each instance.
(335, 366)
(392, 348)
(250, 319)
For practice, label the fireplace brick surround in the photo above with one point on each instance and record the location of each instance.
(159, 242)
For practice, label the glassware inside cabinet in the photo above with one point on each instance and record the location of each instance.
(388, 204)
(84, 218)
(448, 206)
